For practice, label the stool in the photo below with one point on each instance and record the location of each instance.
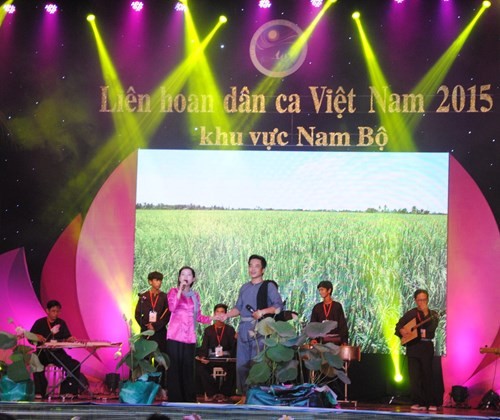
(55, 375)
(220, 373)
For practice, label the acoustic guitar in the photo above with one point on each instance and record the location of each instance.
(413, 327)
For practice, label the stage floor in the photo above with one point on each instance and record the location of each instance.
(111, 409)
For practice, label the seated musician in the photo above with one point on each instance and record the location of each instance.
(219, 341)
(329, 310)
(51, 328)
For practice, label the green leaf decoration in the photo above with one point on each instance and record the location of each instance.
(334, 360)
(162, 359)
(288, 372)
(284, 329)
(31, 337)
(343, 377)
(266, 327)
(313, 364)
(7, 341)
(17, 371)
(296, 341)
(270, 341)
(319, 329)
(259, 373)
(280, 353)
(328, 370)
(144, 348)
(35, 364)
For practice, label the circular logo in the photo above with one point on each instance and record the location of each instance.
(272, 48)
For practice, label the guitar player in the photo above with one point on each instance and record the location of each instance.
(417, 328)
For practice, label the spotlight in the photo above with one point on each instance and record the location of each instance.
(137, 6)
(91, 18)
(459, 394)
(50, 8)
(316, 3)
(180, 7)
(9, 8)
(356, 15)
(398, 377)
(399, 1)
(486, 3)
(264, 4)
(222, 19)
(490, 400)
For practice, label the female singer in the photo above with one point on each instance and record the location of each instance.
(184, 305)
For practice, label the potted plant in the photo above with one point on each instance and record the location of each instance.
(16, 383)
(277, 374)
(142, 359)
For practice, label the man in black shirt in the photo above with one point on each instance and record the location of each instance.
(329, 310)
(219, 341)
(51, 328)
(420, 350)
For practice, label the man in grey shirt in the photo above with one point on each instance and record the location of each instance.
(251, 310)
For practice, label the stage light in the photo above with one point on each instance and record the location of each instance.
(137, 6)
(51, 8)
(459, 394)
(316, 3)
(91, 18)
(9, 8)
(180, 7)
(398, 377)
(264, 4)
(399, 1)
(222, 19)
(356, 15)
(486, 3)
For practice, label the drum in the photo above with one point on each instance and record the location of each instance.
(349, 353)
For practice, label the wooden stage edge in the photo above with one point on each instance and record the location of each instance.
(111, 409)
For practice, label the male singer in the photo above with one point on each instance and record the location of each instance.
(250, 312)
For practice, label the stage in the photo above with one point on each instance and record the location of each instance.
(114, 410)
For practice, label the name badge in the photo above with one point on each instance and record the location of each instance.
(219, 351)
(152, 316)
(422, 333)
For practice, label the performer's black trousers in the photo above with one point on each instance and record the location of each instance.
(69, 385)
(420, 356)
(180, 374)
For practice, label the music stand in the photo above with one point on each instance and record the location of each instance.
(349, 354)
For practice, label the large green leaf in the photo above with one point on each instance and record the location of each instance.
(162, 359)
(144, 348)
(296, 341)
(7, 341)
(343, 377)
(280, 353)
(313, 364)
(259, 373)
(319, 329)
(334, 360)
(285, 329)
(266, 327)
(31, 337)
(288, 372)
(17, 371)
(270, 341)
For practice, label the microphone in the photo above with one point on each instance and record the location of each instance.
(249, 307)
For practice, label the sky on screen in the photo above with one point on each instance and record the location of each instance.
(294, 180)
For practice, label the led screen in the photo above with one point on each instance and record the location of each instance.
(374, 224)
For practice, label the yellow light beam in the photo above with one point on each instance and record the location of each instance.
(3, 10)
(268, 86)
(387, 104)
(434, 77)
